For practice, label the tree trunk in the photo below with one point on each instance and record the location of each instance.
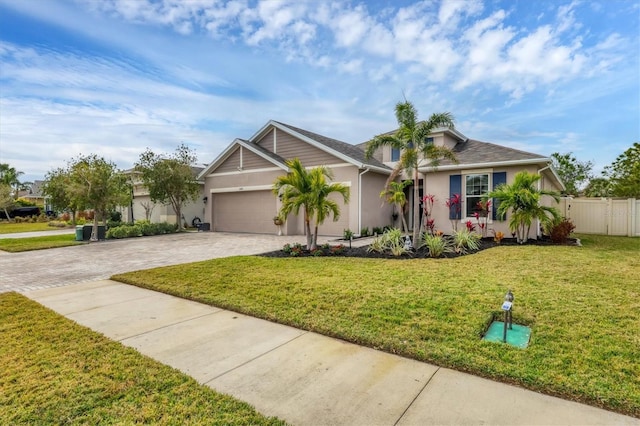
(178, 211)
(94, 228)
(314, 239)
(405, 228)
(307, 226)
(416, 207)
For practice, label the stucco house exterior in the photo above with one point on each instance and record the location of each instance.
(480, 167)
(143, 208)
(237, 184)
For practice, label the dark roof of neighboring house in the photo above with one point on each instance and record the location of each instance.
(344, 148)
(476, 152)
(196, 170)
(36, 190)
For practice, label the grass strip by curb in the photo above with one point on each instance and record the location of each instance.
(58, 372)
(582, 303)
(13, 227)
(15, 245)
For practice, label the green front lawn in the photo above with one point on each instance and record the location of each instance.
(12, 227)
(38, 243)
(55, 371)
(582, 303)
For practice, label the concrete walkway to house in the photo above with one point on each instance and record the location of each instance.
(303, 377)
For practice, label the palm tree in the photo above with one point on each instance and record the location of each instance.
(324, 206)
(309, 189)
(394, 194)
(412, 139)
(522, 198)
(10, 176)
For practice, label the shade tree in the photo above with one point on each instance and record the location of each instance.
(170, 178)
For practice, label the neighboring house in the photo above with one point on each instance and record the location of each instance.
(35, 195)
(142, 207)
(237, 184)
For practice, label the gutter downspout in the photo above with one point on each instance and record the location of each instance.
(360, 197)
(538, 233)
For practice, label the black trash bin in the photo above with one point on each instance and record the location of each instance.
(204, 226)
(86, 232)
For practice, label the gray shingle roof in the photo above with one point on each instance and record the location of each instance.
(36, 190)
(196, 170)
(347, 149)
(476, 152)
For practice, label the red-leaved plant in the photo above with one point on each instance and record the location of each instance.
(454, 203)
(482, 216)
(427, 208)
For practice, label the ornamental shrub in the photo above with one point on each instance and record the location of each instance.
(437, 244)
(560, 230)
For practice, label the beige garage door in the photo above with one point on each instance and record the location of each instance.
(250, 211)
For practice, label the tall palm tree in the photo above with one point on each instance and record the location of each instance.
(309, 190)
(522, 198)
(412, 139)
(11, 177)
(394, 194)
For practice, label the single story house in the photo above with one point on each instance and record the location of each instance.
(237, 184)
(143, 208)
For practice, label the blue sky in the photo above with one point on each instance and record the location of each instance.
(114, 77)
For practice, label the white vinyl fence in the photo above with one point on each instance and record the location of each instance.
(604, 216)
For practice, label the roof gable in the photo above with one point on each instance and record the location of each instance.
(269, 156)
(341, 150)
(345, 151)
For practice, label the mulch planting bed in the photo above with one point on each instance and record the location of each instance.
(422, 252)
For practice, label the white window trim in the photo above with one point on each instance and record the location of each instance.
(464, 174)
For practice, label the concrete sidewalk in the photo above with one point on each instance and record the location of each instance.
(299, 376)
(32, 234)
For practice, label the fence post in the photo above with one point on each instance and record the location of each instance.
(631, 218)
(609, 215)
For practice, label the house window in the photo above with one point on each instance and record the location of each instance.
(428, 140)
(395, 154)
(476, 186)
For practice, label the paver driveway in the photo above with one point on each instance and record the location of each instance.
(61, 266)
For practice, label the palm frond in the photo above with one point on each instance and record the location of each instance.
(379, 141)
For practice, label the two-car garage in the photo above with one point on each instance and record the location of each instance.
(244, 211)
(253, 212)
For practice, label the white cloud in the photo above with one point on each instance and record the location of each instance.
(353, 66)
(451, 12)
(332, 67)
(566, 19)
(350, 26)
